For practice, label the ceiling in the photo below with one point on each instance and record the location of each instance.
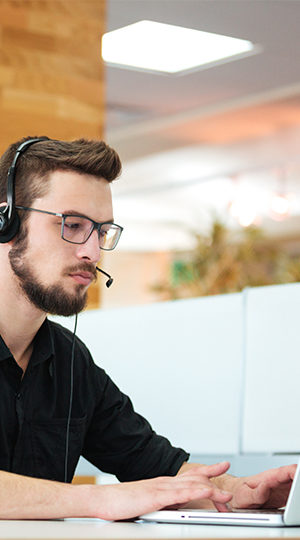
(184, 138)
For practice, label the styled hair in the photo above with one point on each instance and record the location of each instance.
(42, 158)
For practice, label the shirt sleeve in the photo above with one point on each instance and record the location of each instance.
(121, 442)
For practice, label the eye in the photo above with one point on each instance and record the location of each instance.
(73, 225)
(76, 224)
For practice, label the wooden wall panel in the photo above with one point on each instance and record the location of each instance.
(51, 74)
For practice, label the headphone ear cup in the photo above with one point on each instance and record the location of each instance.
(8, 231)
(3, 222)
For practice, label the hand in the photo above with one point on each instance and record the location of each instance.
(213, 475)
(269, 489)
(131, 499)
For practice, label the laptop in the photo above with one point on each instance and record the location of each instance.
(260, 518)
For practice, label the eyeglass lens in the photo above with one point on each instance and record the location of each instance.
(77, 230)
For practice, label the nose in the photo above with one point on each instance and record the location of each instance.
(90, 250)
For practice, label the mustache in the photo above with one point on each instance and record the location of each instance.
(83, 267)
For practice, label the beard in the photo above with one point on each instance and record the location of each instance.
(49, 298)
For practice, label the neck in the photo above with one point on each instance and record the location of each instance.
(19, 319)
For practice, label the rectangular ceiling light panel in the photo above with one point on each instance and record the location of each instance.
(154, 46)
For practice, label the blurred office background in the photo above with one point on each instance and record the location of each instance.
(210, 203)
(218, 144)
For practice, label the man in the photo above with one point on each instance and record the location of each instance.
(55, 404)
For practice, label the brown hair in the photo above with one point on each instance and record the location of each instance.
(33, 167)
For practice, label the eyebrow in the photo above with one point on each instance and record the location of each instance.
(80, 214)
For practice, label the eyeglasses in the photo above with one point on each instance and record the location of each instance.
(77, 229)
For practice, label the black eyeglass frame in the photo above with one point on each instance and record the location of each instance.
(96, 225)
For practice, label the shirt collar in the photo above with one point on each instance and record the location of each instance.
(4, 350)
(43, 345)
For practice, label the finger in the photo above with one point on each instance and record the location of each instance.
(185, 481)
(187, 494)
(209, 471)
(220, 496)
(261, 494)
(183, 496)
(222, 507)
(283, 474)
(274, 477)
(215, 493)
(216, 469)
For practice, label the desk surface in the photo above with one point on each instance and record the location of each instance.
(87, 529)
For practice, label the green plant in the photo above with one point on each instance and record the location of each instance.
(222, 262)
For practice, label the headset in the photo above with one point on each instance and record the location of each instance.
(9, 219)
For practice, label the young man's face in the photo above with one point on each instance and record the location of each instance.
(54, 274)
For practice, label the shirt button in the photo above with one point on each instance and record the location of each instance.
(18, 396)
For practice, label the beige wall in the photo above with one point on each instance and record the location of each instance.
(134, 274)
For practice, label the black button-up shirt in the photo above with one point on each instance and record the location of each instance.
(104, 427)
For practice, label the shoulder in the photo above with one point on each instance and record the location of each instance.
(85, 368)
(63, 338)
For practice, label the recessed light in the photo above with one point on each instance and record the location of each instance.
(149, 45)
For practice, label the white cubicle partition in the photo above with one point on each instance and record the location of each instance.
(272, 371)
(180, 362)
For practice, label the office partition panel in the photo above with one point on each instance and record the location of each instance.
(272, 370)
(180, 362)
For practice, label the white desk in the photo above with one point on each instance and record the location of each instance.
(85, 530)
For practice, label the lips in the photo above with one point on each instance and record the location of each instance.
(84, 278)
